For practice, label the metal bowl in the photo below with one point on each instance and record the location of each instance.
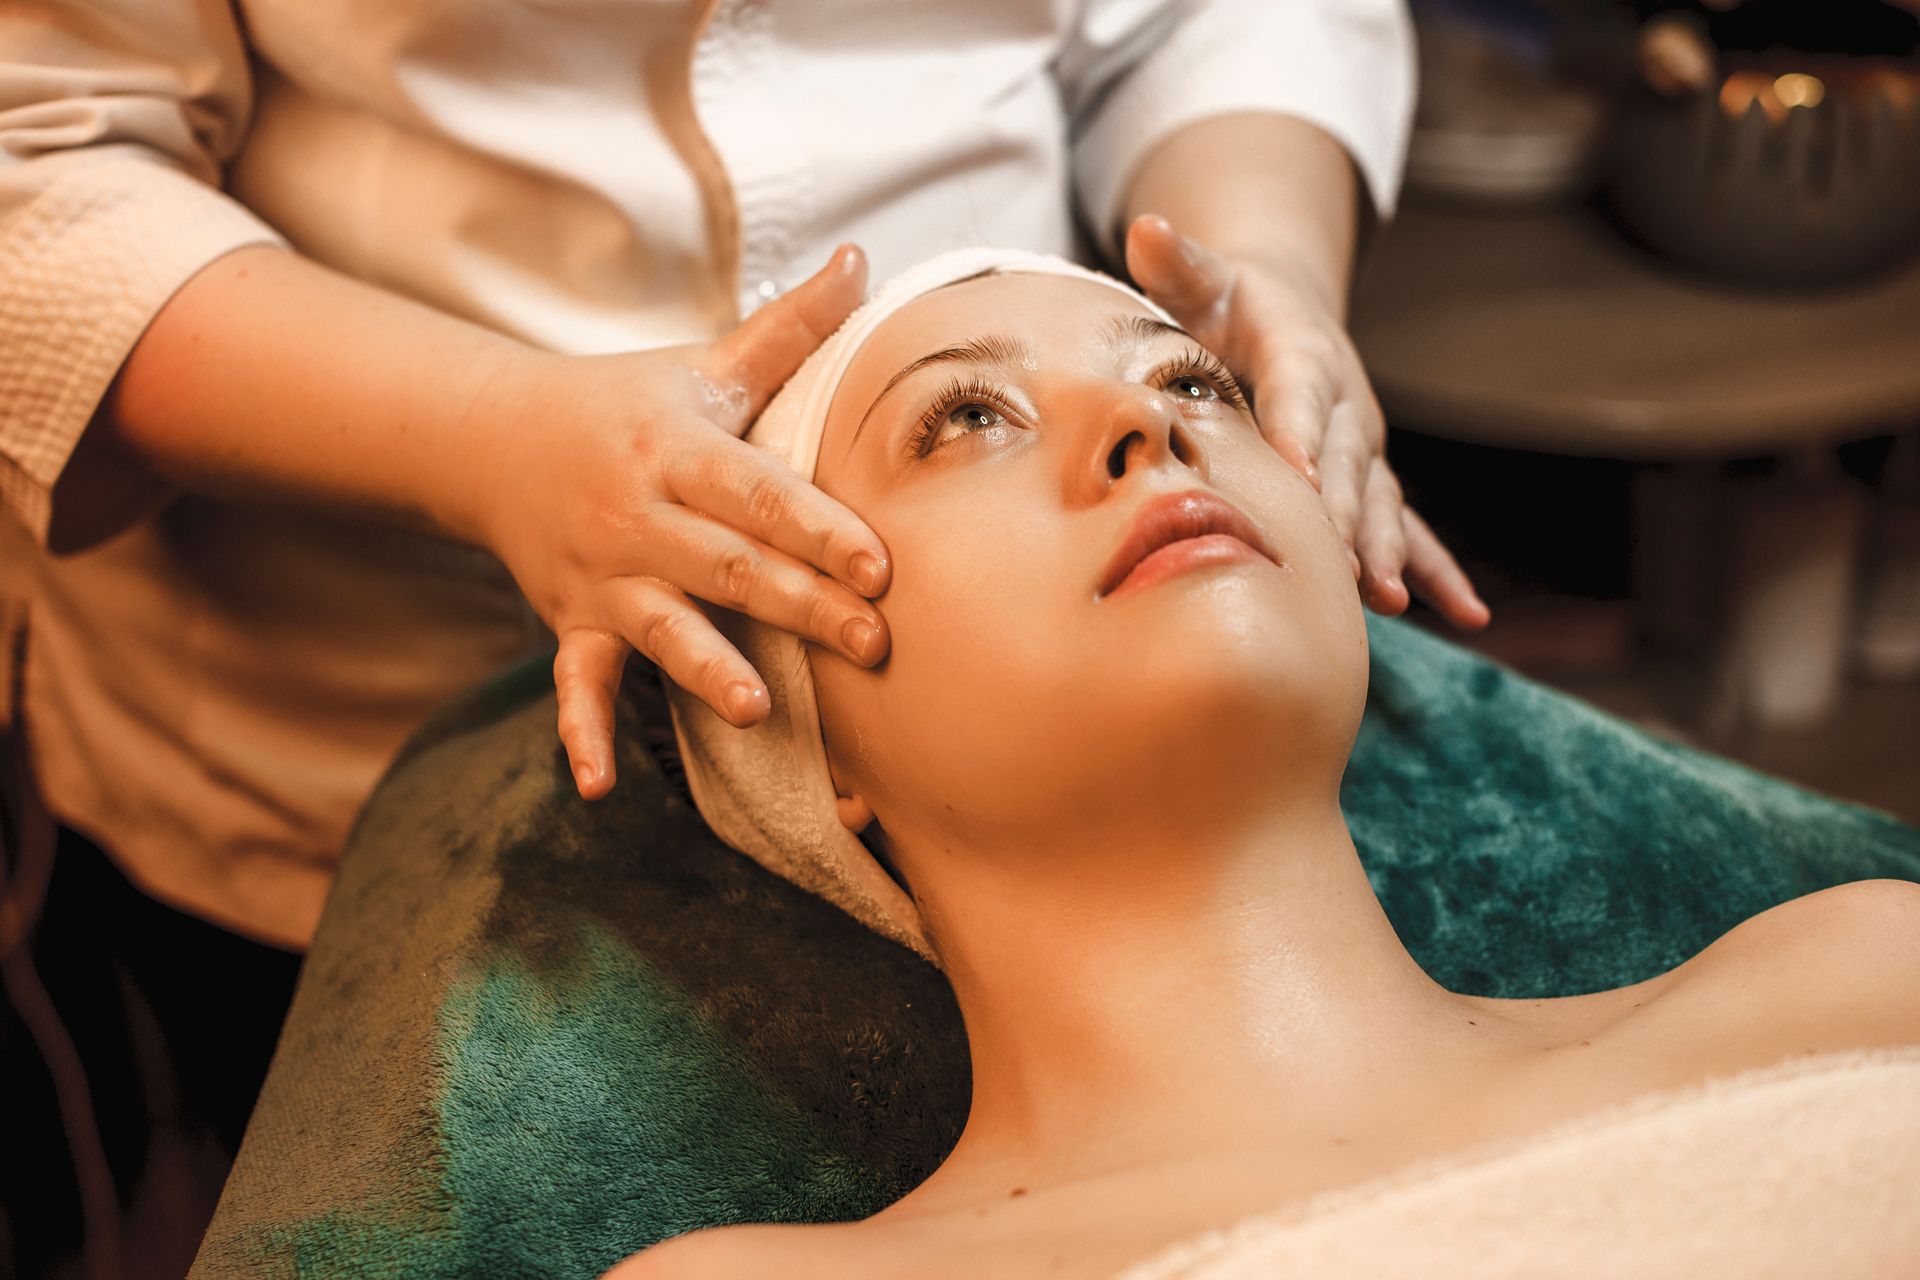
(1776, 180)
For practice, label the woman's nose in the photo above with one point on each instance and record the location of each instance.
(1143, 432)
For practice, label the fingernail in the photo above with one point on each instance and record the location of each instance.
(1189, 252)
(850, 262)
(862, 639)
(743, 700)
(1394, 583)
(868, 570)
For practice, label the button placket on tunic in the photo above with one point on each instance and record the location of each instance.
(743, 106)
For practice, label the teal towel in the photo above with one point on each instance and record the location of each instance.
(534, 1036)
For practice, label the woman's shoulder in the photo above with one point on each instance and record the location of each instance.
(1828, 973)
(750, 1251)
(1833, 970)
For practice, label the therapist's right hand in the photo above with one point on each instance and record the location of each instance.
(628, 495)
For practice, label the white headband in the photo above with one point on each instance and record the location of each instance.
(767, 791)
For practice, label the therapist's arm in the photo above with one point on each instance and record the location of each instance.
(615, 488)
(157, 336)
(1244, 226)
(1258, 187)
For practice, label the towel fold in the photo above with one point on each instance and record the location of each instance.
(1810, 1167)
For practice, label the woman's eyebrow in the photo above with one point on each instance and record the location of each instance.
(1142, 329)
(991, 349)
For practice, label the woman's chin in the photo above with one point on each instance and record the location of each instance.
(1229, 663)
(1254, 617)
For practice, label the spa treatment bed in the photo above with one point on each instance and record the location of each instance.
(534, 1036)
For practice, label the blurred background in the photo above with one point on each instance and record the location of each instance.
(1647, 334)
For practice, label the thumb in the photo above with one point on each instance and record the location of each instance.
(1176, 272)
(748, 365)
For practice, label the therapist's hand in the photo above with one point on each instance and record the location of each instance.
(1286, 339)
(626, 494)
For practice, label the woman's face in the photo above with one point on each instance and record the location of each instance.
(1020, 441)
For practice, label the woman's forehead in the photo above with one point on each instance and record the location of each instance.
(1026, 304)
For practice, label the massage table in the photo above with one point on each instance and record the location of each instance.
(535, 1035)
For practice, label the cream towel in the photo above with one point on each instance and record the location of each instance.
(1810, 1168)
(766, 790)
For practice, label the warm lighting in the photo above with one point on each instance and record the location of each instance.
(1743, 89)
(1775, 95)
(1797, 90)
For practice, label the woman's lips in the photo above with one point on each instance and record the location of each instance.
(1180, 531)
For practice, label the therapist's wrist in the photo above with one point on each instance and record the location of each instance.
(513, 397)
(1263, 190)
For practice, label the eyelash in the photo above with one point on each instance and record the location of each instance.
(1202, 363)
(956, 393)
(1196, 362)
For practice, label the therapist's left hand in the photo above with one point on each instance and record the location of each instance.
(1286, 339)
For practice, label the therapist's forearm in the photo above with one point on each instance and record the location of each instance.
(1259, 188)
(269, 376)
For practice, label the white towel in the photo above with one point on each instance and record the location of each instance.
(1810, 1168)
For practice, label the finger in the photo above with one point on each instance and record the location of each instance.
(756, 359)
(1294, 453)
(756, 493)
(1292, 409)
(586, 674)
(1372, 418)
(1176, 272)
(669, 631)
(720, 564)
(1382, 541)
(1437, 577)
(1343, 472)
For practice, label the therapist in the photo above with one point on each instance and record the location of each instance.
(251, 435)
(333, 335)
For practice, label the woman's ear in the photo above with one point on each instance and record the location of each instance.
(855, 813)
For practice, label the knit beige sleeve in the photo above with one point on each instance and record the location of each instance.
(115, 119)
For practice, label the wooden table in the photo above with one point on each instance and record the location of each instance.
(1547, 331)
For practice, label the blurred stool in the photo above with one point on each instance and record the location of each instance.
(1887, 647)
(1546, 331)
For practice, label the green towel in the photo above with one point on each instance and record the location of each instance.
(535, 1035)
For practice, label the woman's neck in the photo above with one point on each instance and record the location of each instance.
(1126, 1003)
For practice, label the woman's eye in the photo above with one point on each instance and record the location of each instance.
(1189, 386)
(968, 418)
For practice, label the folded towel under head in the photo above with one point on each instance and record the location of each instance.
(766, 791)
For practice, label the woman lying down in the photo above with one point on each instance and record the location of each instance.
(1097, 783)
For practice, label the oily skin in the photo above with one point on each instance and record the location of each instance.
(1119, 818)
(1010, 528)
